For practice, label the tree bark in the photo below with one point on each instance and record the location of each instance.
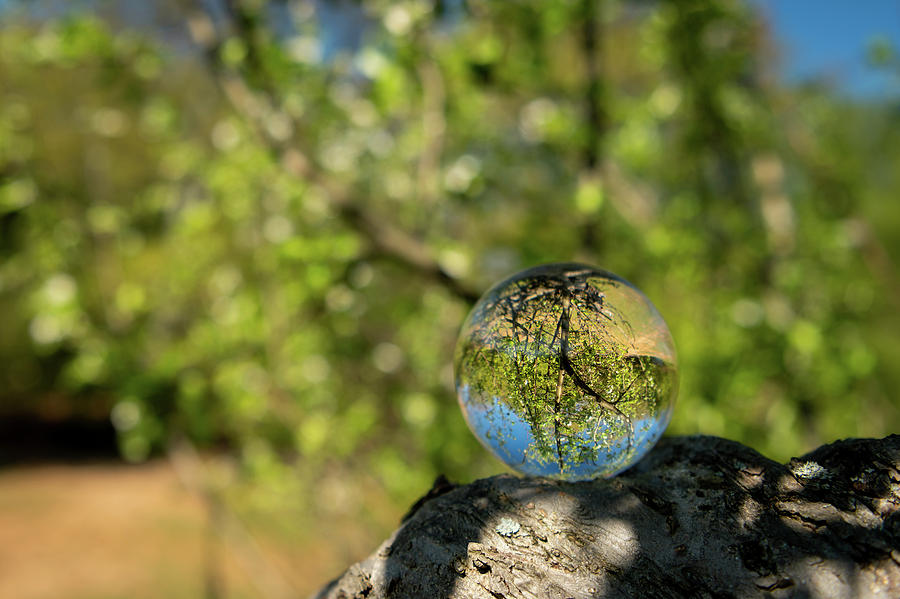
(698, 517)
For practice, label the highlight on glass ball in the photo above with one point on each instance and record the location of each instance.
(566, 371)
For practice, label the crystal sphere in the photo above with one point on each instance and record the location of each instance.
(566, 371)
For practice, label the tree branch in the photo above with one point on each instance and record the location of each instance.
(698, 517)
(593, 159)
(591, 38)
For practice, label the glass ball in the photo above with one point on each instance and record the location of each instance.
(566, 371)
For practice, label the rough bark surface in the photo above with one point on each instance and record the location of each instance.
(698, 517)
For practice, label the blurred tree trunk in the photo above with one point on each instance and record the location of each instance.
(698, 517)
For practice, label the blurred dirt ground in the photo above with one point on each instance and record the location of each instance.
(105, 531)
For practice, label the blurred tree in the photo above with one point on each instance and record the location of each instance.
(267, 237)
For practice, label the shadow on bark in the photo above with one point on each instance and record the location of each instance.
(698, 517)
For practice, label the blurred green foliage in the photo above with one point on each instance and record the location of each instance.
(247, 244)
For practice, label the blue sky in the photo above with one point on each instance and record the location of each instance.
(829, 38)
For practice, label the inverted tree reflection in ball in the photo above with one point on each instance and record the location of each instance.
(566, 371)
